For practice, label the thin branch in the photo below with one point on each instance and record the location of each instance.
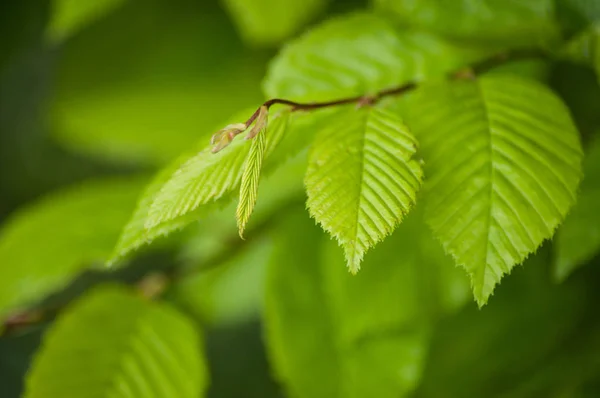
(468, 72)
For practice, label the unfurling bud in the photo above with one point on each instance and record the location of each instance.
(225, 136)
(260, 124)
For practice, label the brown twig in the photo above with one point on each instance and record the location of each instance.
(471, 71)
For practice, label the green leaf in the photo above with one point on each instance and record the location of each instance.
(296, 136)
(503, 161)
(578, 239)
(134, 234)
(356, 55)
(163, 87)
(362, 178)
(112, 343)
(269, 22)
(369, 332)
(512, 22)
(48, 243)
(69, 16)
(207, 177)
(251, 174)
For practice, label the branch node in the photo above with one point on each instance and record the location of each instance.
(367, 100)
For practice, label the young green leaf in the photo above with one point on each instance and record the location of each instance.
(268, 22)
(362, 178)
(356, 55)
(370, 331)
(252, 170)
(113, 343)
(512, 22)
(578, 239)
(47, 244)
(207, 177)
(134, 235)
(296, 136)
(503, 160)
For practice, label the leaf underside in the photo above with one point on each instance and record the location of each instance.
(503, 161)
(362, 178)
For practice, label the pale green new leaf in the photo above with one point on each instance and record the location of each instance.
(112, 343)
(48, 243)
(359, 54)
(362, 178)
(268, 22)
(578, 239)
(503, 161)
(368, 332)
(511, 22)
(297, 134)
(207, 177)
(134, 234)
(69, 16)
(250, 179)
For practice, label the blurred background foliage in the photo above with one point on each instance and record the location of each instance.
(95, 96)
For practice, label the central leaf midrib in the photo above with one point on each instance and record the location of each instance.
(363, 141)
(488, 124)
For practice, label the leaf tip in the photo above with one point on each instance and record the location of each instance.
(353, 261)
(241, 229)
(482, 294)
(481, 302)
